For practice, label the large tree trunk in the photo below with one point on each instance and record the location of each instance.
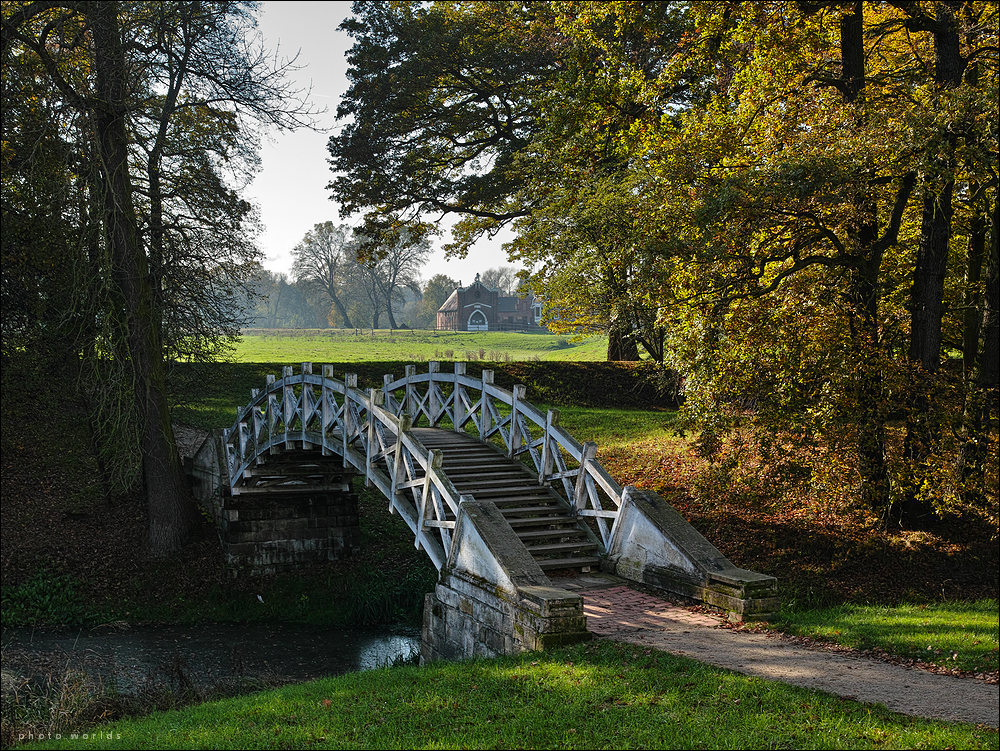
(388, 310)
(982, 394)
(156, 254)
(341, 310)
(170, 509)
(621, 344)
(927, 291)
(868, 384)
(972, 316)
(864, 295)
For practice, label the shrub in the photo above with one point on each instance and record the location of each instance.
(45, 599)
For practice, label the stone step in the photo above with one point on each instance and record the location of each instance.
(562, 547)
(544, 534)
(581, 563)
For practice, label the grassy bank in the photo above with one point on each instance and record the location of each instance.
(956, 636)
(599, 695)
(82, 586)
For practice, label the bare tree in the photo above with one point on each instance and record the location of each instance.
(391, 265)
(503, 278)
(324, 258)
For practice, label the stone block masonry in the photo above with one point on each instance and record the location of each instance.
(652, 544)
(277, 530)
(493, 598)
(273, 532)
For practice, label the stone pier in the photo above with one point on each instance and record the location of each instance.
(283, 527)
(493, 598)
(276, 532)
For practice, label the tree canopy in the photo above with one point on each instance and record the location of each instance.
(791, 203)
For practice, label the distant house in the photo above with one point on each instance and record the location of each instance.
(482, 308)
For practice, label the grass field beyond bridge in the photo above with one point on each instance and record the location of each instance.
(361, 345)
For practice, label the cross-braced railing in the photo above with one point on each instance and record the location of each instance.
(372, 432)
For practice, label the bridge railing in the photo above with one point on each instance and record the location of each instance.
(479, 407)
(313, 412)
(371, 431)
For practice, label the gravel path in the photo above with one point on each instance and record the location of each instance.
(623, 614)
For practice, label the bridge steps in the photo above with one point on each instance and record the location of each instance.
(581, 563)
(497, 495)
(488, 478)
(526, 500)
(542, 521)
(556, 533)
(563, 547)
(520, 511)
(540, 518)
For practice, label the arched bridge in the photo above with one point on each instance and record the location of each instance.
(502, 499)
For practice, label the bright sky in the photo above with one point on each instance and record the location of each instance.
(291, 188)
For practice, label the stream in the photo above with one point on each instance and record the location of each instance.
(206, 659)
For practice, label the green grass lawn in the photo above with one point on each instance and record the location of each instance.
(416, 345)
(962, 635)
(598, 695)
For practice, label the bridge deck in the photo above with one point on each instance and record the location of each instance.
(543, 520)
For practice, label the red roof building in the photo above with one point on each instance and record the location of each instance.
(479, 307)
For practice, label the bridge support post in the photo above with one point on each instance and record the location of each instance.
(493, 598)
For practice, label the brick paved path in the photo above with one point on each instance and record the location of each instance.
(624, 614)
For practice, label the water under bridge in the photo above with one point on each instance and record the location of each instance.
(513, 511)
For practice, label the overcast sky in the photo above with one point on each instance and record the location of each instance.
(291, 188)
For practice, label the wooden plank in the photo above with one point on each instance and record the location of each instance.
(587, 455)
(536, 509)
(512, 472)
(598, 514)
(528, 491)
(530, 521)
(559, 547)
(541, 534)
(585, 562)
(438, 524)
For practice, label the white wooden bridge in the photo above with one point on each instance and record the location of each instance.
(428, 441)
(495, 491)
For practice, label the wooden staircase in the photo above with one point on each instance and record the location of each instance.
(543, 520)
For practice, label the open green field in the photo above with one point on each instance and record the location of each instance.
(416, 345)
(598, 695)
